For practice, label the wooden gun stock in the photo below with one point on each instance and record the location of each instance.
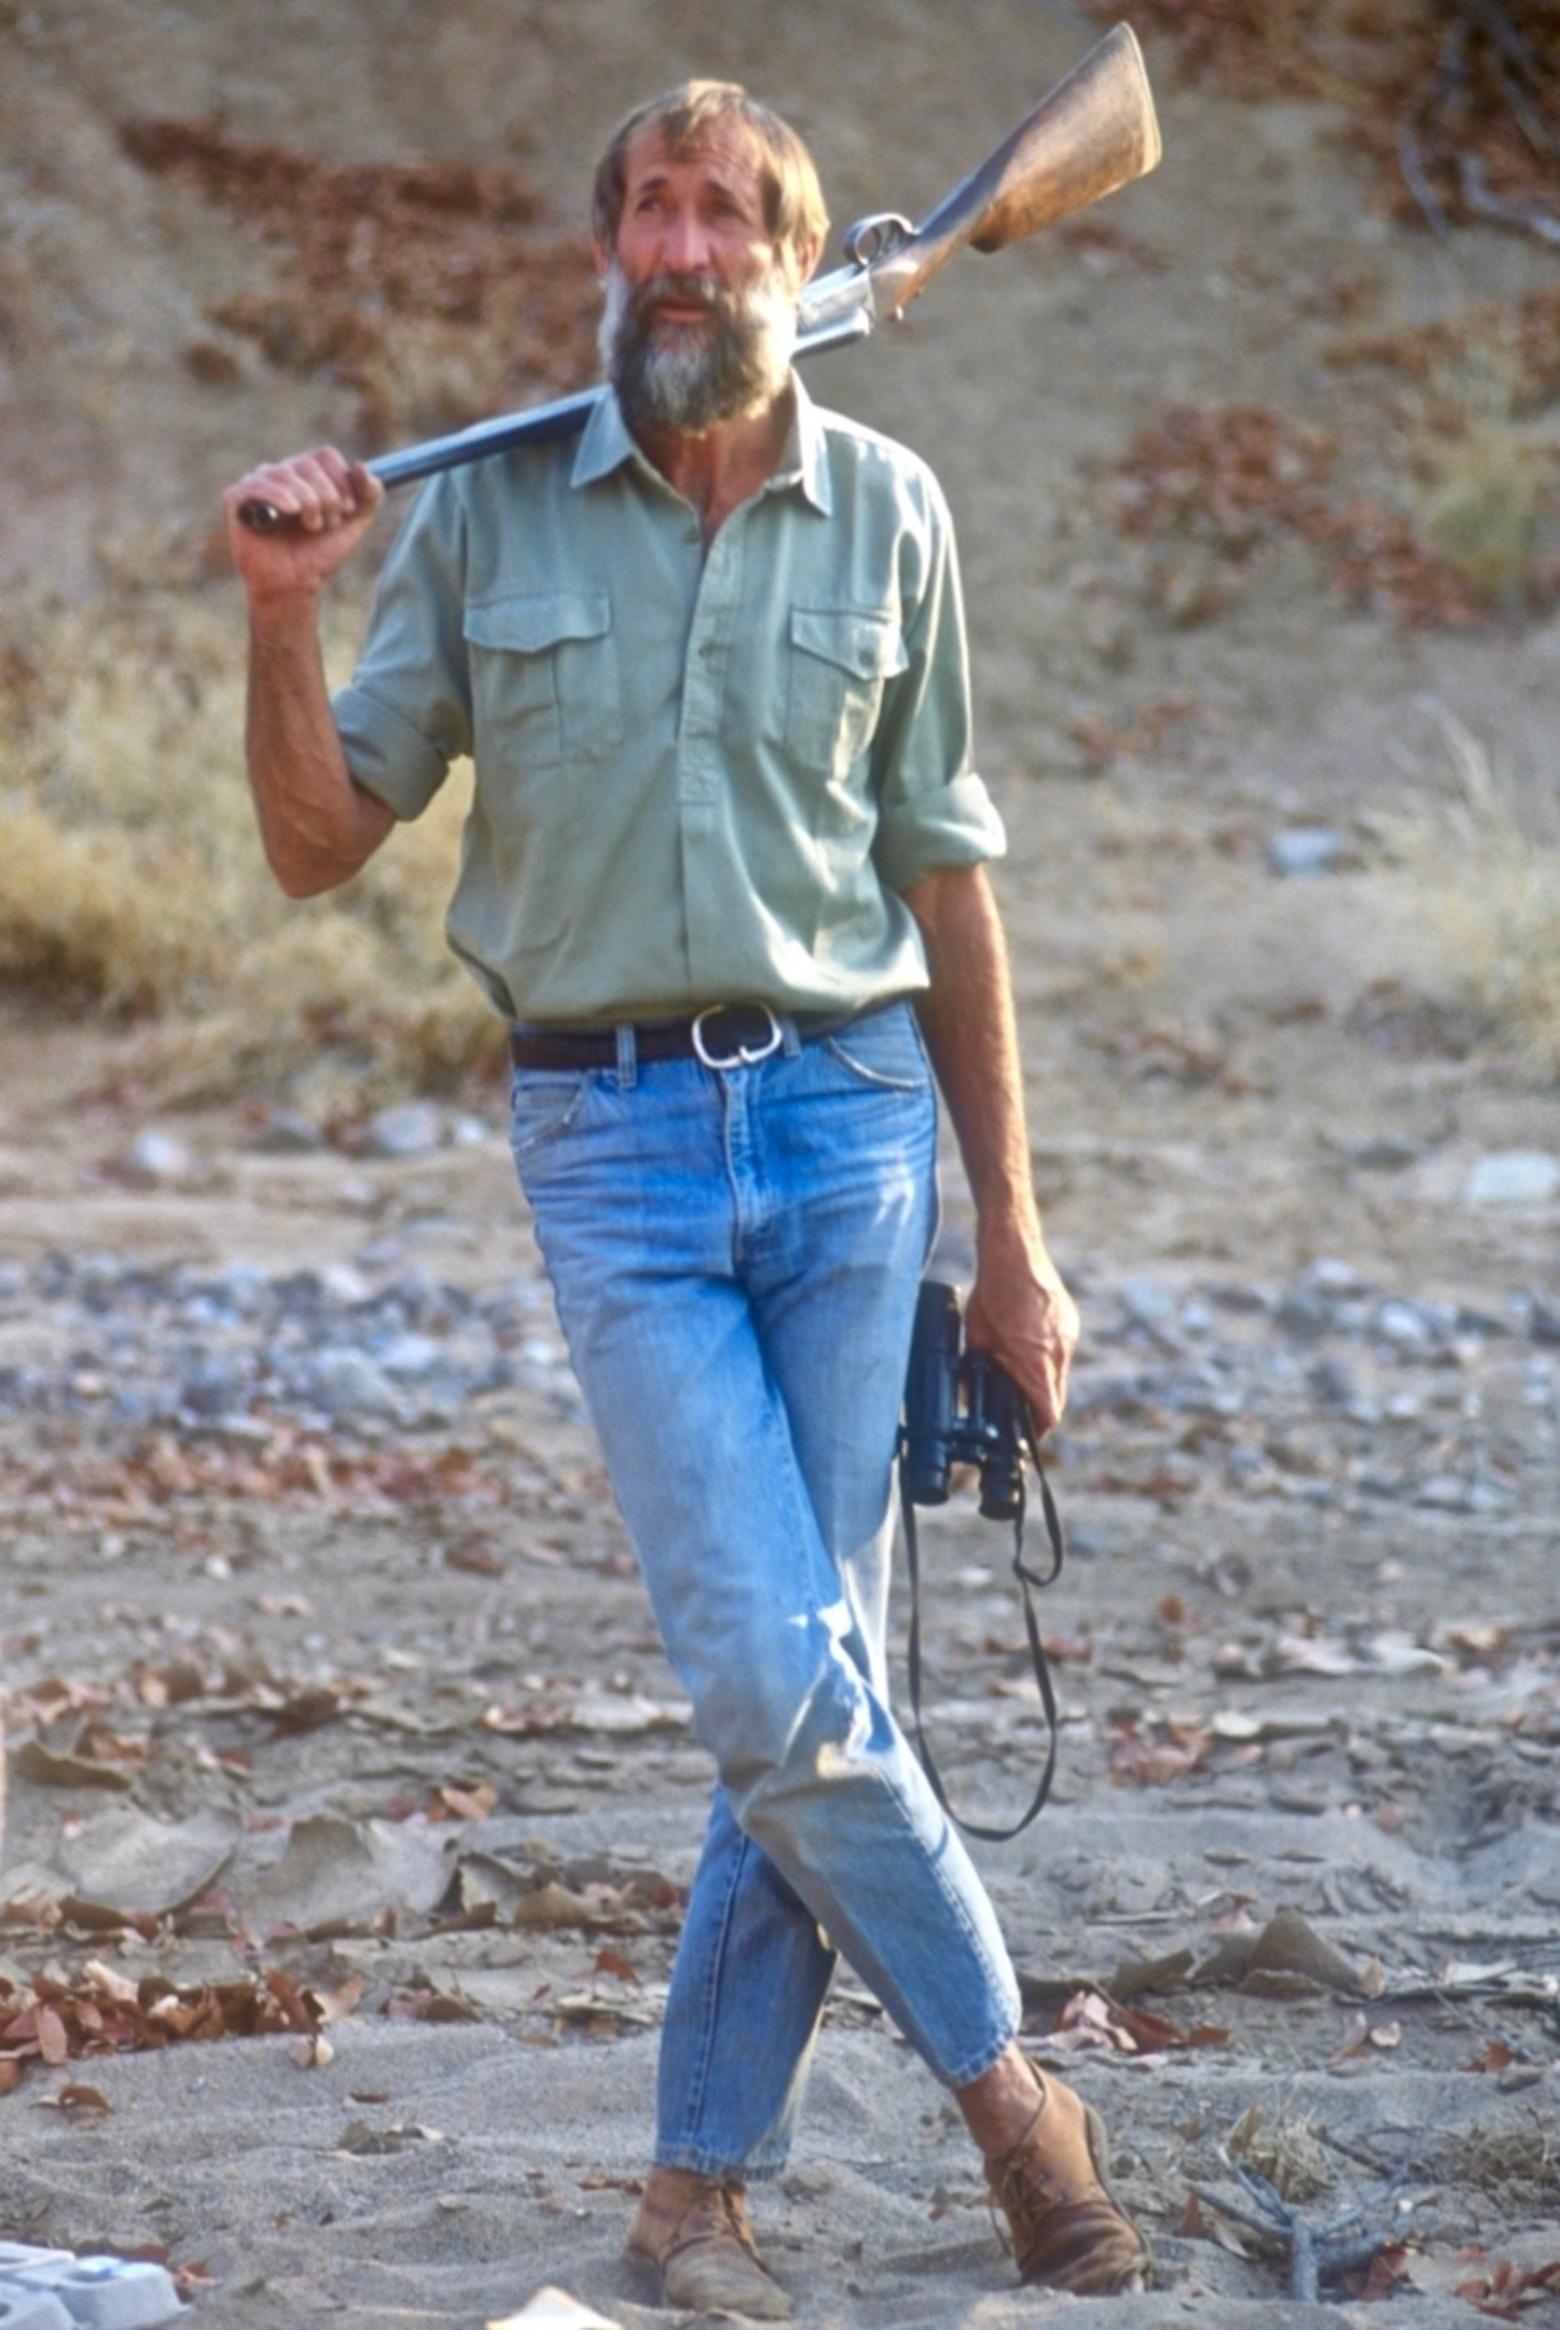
(1096, 132)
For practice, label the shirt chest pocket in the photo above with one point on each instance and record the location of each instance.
(840, 660)
(545, 681)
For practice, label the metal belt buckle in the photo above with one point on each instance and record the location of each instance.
(744, 1055)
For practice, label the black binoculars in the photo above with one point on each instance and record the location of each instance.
(960, 1408)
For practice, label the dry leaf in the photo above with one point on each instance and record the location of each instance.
(78, 2102)
(613, 1962)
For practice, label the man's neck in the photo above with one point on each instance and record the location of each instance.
(722, 467)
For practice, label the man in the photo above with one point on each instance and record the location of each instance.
(709, 663)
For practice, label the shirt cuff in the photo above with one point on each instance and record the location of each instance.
(386, 755)
(958, 825)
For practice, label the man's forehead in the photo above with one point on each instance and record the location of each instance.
(725, 149)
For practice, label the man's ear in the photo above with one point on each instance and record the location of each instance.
(804, 259)
(600, 258)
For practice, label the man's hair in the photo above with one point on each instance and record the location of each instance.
(684, 117)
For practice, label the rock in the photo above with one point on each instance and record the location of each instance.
(1384, 1155)
(1310, 849)
(340, 1283)
(1148, 1304)
(155, 1160)
(1404, 1327)
(343, 1380)
(287, 1132)
(1332, 1384)
(214, 1390)
(1329, 1276)
(469, 1132)
(1544, 1321)
(414, 1130)
(1513, 1177)
(410, 1355)
(1445, 1493)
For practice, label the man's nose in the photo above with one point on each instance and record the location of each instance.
(687, 244)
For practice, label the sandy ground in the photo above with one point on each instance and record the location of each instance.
(374, 1704)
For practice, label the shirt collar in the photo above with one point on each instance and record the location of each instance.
(606, 445)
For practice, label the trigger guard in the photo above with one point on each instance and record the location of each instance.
(872, 238)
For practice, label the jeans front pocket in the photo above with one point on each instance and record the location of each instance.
(883, 1050)
(841, 658)
(542, 1107)
(545, 676)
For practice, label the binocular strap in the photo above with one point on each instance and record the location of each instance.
(1028, 1580)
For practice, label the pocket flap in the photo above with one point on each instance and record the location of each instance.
(535, 622)
(863, 642)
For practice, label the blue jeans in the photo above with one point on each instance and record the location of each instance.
(735, 1257)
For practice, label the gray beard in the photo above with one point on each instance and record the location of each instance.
(691, 380)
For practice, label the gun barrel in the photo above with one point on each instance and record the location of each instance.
(564, 417)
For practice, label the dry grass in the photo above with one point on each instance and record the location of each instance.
(1479, 878)
(132, 883)
(1518, 2165)
(1283, 2148)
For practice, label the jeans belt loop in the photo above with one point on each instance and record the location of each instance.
(627, 1056)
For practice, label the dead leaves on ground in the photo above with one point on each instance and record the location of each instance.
(1500, 2289)
(1212, 486)
(1091, 2021)
(429, 287)
(102, 2012)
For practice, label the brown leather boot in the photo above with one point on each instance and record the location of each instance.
(1066, 2229)
(694, 2230)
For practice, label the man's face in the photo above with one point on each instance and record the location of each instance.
(700, 311)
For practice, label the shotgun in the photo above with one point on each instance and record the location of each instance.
(1095, 132)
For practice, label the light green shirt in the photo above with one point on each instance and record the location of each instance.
(701, 776)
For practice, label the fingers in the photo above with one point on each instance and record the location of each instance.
(316, 492)
(1030, 1327)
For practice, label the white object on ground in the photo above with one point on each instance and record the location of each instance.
(553, 2309)
(49, 2289)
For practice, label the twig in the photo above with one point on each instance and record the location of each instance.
(1526, 115)
(1316, 2252)
(1448, 76)
(1528, 215)
(1503, 35)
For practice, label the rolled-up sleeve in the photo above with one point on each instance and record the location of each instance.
(933, 810)
(406, 713)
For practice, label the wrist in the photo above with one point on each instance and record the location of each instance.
(277, 610)
(1008, 1228)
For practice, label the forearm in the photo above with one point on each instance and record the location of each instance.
(967, 1017)
(316, 825)
(1018, 1308)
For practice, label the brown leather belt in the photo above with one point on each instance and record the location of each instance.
(726, 1035)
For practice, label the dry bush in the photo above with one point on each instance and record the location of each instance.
(1283, 2148)
(1478, 884)
(1470, 395)
(133, 884)
(1453, 100)
(1462, 542)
